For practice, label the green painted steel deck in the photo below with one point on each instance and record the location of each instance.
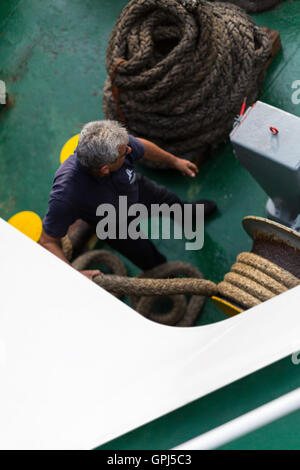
(52, 59)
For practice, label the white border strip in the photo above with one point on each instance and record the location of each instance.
(245, 424)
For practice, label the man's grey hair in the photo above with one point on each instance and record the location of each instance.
(98, 143)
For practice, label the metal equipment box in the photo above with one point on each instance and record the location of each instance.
(266, 141)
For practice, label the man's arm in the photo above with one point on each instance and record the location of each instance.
(157, 154)
(54, 246)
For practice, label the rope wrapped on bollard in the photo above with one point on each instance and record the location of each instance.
(254, 279)
(270, 269)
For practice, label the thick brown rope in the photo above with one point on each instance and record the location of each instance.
(106, 258)
(183, 313)
(67, 247)
(139, 287)
(144, 291)
(252, 280)
(186, 68)
(76, 240)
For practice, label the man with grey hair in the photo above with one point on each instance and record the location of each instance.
(99, 143)
(100, 170)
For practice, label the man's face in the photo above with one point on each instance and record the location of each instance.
(123, 151)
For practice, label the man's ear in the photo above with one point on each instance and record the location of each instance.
(104, 170)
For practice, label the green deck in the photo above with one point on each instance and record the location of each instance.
(52, 58)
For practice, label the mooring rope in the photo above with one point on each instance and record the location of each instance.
(106, 258)
(178, 71)
(183, 312)
(252, 280)
(75, 240)
(143, 291)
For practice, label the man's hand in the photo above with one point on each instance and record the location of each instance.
(91, 273)
(156, 154)
(186, 167)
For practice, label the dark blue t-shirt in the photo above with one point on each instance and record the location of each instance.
(76, 193)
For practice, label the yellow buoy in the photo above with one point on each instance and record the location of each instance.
(29, 223)
(68, 148)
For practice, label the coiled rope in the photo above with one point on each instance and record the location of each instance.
(178, 71)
